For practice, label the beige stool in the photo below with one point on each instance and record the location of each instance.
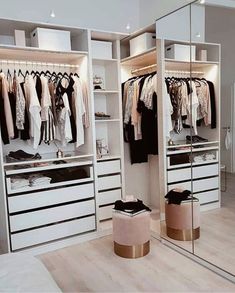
(131, 235)
(179, 220)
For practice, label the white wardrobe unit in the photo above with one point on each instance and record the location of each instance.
(205, 175)
(141, 179)
(33, 216)
(107, 100)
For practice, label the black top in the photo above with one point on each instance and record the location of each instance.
(60, 91)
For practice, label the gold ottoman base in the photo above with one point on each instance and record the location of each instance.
(133, 251)
(183, 235)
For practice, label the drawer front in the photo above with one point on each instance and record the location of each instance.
(198, 172)
(206, 171)
(206, 184)
(109, 182)
(208, 196)
(179, 175)
(105, 213)
(52, 215)
(109, 197)
(198, 185)
(109, 167)
(45, 234)
(50, 197)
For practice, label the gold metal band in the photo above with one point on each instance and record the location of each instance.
(183, 235)
(133, 251)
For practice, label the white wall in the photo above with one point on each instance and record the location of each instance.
(176, 26)
(223, 32)
(111, 15)
(150, 10)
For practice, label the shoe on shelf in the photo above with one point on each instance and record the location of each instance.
(195, 139)
(101, 115)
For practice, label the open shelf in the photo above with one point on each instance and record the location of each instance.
(49, 158)
(103, 62)
(171, 64)
(105, 92)
(10, 52)
(194, 150)
(109, 158)
(31, 169)
(179, 166)
(107, 120)
(184, 144)
(148, 57)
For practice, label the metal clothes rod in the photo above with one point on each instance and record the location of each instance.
(183, 72)
(19, 62)
(144, 68)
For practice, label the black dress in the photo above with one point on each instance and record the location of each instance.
(4, 133)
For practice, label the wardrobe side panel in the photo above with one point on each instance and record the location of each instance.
(4, 232)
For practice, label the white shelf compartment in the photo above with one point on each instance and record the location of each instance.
(51, 185)
(108, 104)
(49, 167)
(213, 50)
(108, 71)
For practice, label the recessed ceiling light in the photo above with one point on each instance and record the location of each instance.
(128, 26)
(52, 14)
(202, 1)
(198, 35)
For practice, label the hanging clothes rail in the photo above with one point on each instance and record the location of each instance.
(184, 72)
(153, 66)
(34, 63)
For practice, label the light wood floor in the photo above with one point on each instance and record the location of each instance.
(93, 267)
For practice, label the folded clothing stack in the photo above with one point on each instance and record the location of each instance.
(210, 157)
(199, 159)
(39, 180)
(130, 208)
(203, 158)
(19, 182)
(177, 196)
(21, 156)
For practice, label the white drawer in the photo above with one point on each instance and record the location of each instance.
(109, 197)
(206, 171)
(45, 234)
(179, 175)
(109, 182)
(105, 213)
(208, 196)
(198, 172)
(50, 197)
(198, 185)
(52, 215)
(109, 167)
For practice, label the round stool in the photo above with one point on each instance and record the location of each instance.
(179, 220)
(131, 235)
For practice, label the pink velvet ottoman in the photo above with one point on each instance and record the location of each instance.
(179, 222)
(131, 235)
